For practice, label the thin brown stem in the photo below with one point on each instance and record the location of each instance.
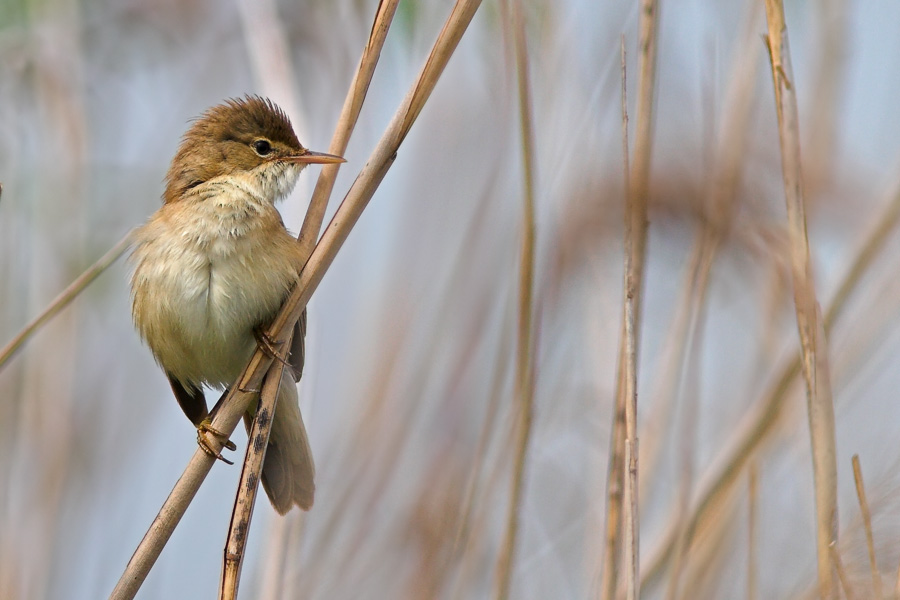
(687, 394)
(867, 525)
(719, 201)
(242, 514)
(835, 558)
(614, 490)
(809, 323)
(65, 297)
(524, 373)
(635, 251)
(752, 517)
(356, 95)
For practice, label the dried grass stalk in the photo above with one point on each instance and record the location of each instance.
(727, 167)
(809, 323)
(867, 525)
(524, 373)
(356, 95)
(614, 479)
(241, 515)
(65, 297)
(752, 517)
(835, 558)
(626, 504)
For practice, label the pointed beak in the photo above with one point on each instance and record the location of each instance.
(309, 157)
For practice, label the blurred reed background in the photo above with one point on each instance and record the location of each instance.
(408, 388)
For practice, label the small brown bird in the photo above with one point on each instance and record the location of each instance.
(214, 265)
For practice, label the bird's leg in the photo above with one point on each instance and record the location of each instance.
(269, 346)
(205, 431)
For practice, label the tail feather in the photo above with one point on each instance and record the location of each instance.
(288, 473)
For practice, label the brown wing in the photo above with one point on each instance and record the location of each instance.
(190, 399)
(298, 347)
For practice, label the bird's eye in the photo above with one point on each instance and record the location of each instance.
(262, 147)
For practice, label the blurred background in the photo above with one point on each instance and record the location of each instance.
(407, 391)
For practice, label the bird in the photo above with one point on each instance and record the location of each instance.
(212, 267)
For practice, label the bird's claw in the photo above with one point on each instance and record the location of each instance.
(204, 432)
(269, 346)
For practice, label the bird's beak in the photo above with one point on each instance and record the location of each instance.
(318, 158)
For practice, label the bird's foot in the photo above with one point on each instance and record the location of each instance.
(205, 432)
(269, 346)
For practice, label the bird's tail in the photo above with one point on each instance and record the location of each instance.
(288, 473)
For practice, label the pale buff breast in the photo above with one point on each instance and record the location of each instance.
(206, 273)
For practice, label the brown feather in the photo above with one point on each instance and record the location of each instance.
(190, 399)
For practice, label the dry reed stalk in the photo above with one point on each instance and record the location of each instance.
(228, 412)
(635, 250)
(761, 419)
(884, 225)
(867, 526)
(463, 540)
(614, 479)
(257, 443)
(622, 503)
(65, 297)
(356, 95)
(481, 447)
(835, 558)
(752, 510)
(709, 551)
(727, 165)
(688, 430)
(812, 334)
(481, 522)
(524, 374)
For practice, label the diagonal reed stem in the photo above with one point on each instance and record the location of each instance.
(65, 297)
(356, 95)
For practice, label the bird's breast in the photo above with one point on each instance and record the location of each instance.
(206, 274)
